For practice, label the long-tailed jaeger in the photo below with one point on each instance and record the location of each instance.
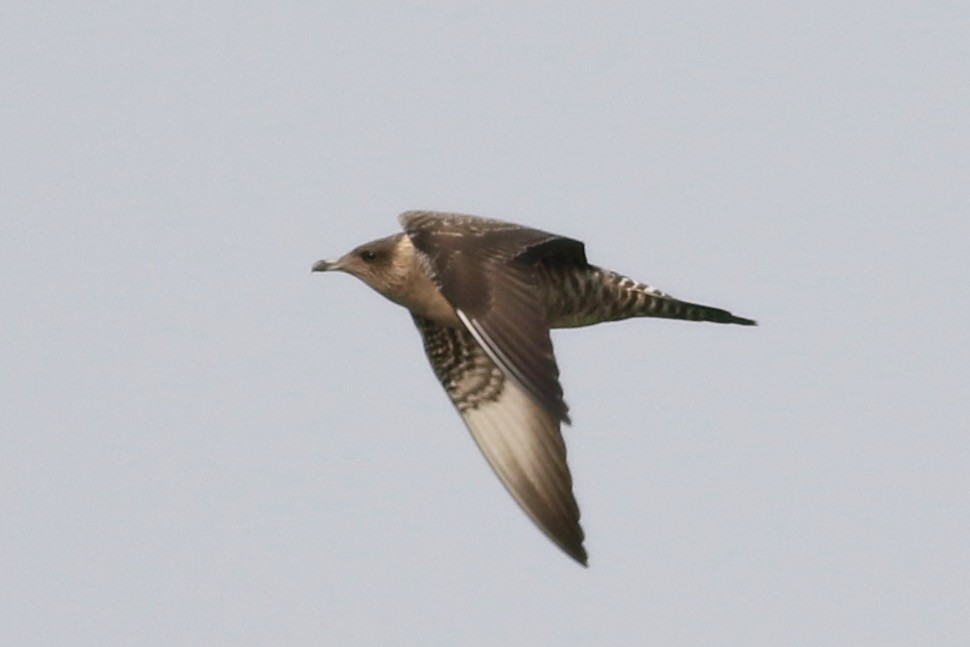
(484, 294)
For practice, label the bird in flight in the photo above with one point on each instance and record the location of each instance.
(484, 294)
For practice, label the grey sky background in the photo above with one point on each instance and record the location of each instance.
(204, 444)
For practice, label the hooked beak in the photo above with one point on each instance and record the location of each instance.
(324, 266)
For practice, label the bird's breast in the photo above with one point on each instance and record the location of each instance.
(423, 298)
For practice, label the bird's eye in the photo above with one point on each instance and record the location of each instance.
(368, 256)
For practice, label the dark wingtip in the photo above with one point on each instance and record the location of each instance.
(578, 553)
(742, 321)
(569, 541)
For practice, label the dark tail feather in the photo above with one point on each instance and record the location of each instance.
(666, 307)
(697, 312)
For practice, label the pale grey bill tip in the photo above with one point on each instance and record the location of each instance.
(322, 266)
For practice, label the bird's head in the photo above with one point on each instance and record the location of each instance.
(379, 263)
